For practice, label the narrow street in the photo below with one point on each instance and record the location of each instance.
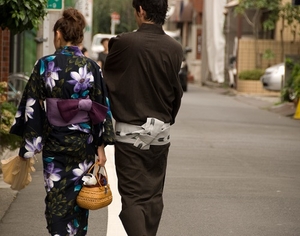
(234, 169)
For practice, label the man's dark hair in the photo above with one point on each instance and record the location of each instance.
(156, 9)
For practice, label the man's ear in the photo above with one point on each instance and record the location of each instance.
(142, 12)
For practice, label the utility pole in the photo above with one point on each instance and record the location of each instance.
(86, 8)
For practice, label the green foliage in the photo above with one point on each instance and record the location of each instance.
(251, 74)
(102, 20)
(272, 7)
(268, 5)
(20, 15)
(7, 112)
(290, 13)
(268, 54)
(269, 9)
(291, 89)
(70, 3)
(291, 16)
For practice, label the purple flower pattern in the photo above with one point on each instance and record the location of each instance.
(71, 230)
(51, 74)
(33, 147)
(81, 79)
(51, 175)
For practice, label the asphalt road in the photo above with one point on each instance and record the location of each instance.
(233, 169)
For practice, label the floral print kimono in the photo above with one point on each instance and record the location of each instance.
(68, 151)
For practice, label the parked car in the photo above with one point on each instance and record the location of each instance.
(97, 47)
(16, 85)
(273, 77)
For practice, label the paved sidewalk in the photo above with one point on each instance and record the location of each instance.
(7, 195)
(28, 206)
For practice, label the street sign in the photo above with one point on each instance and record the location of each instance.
(115, 16)
(55, 5)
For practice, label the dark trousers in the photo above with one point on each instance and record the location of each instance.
(141, 177)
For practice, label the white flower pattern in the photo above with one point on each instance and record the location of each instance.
(29, 110)
(33, 147)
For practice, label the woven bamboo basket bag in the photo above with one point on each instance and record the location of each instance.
(93, 197)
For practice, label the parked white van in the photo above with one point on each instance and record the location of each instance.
(97, 47)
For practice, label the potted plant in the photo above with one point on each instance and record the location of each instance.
(249, 81)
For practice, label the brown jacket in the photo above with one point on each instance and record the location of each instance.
(141, 73)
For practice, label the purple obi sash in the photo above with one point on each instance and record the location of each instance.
(63, 112)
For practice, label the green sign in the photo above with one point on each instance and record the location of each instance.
(55, 5)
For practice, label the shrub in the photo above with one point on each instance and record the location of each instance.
(291, 90)
(251, 74)
(7, 115)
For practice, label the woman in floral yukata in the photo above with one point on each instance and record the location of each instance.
(73, 127)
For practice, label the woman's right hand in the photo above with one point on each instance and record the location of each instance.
(101, 155)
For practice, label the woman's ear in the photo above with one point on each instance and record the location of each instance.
(57, 34)
(57, 39)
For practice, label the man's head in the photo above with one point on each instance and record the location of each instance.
(153, 11)
(104, 42)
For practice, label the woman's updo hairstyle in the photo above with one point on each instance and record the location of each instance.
(71, 26)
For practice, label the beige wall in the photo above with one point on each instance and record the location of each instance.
(289, 46)
(246, 53)
(287, 34)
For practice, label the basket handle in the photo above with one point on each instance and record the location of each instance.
(97, 173)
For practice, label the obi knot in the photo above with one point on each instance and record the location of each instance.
(85, 104)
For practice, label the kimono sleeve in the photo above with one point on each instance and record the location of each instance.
(104, 130)
(30, 116)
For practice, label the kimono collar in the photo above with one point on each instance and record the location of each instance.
(69, 50)
(154, 28)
